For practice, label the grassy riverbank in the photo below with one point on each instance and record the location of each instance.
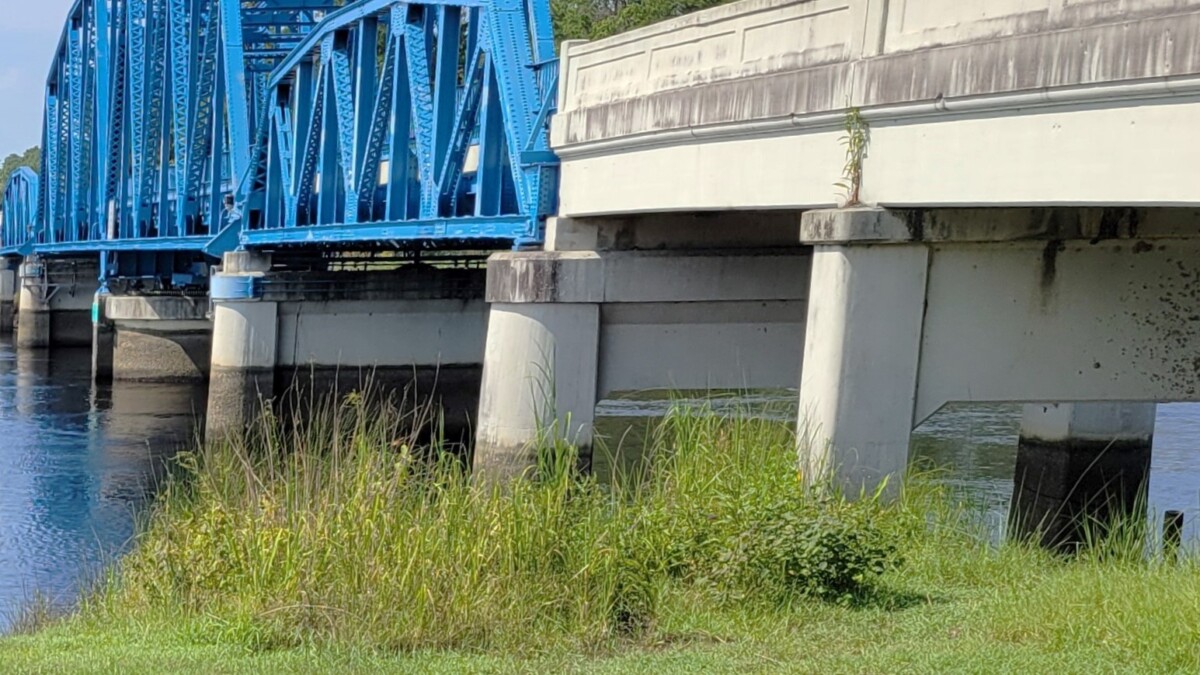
(344, 546)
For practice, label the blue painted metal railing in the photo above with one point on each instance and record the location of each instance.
(190, 127)
(411, 123)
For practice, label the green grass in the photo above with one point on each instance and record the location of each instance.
(339, 546)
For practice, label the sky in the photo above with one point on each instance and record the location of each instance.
(28, 37)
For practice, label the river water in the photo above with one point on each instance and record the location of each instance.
(78, 463)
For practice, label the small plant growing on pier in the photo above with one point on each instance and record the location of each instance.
(858, 136)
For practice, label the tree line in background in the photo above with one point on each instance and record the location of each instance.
(594, 19)
(31, 158)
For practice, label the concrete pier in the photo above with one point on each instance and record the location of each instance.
(55, 306)
(9, 285)
(1080, 466)
(568, 327)
(914, 309)
(417, 331)
(244, 343)
(158, 338)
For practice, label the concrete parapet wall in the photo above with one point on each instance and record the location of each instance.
(763, 59)
(1014, 102)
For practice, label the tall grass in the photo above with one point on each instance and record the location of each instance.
(340, 529)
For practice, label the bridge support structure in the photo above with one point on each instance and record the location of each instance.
(55, 303)
(9, 286)
(1085, 313)
(414, 329)
(151, 338)
(1079, 466)
(569, 327)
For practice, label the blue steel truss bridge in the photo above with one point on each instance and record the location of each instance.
(178, 130)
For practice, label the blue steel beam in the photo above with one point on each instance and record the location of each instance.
(435, 136)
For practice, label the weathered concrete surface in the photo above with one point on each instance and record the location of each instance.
(162, 351)
(899, 328)
(156, 308)
(539, 384)
(1080, 468)
(742, 106)
(674, 231)
(568, 327)
(368, 333)
(867, 225)
(155, 338)
(9, 286)
(242, 366)
(861, 356)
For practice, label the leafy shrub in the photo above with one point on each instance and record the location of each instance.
(799, 544)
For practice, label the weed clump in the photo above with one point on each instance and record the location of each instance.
(339, 529)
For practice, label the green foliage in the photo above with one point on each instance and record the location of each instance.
(794, 544)
(340, 529)
(856, 139)
(31, 158)
(595, 19)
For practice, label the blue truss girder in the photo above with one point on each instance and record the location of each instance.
(446, 130)
(19, 211)
(198, 125)
(149, 118)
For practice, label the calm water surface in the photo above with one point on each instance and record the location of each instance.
(78, 463)
(974, 448)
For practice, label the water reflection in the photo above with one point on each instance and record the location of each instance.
(972, 448)
(78, 463)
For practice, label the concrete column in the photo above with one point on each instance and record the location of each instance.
(102, 340)
(33, 320)
(9, 284)
(861, 352)
(244, 346)
(1079, 465)
(539, 384)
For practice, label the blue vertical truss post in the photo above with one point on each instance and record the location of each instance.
(421, 124)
